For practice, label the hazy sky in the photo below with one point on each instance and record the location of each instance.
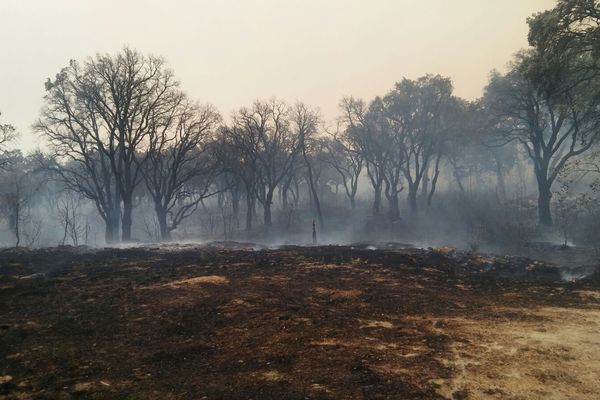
(230, 53)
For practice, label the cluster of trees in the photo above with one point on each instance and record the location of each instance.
(117, 125)
(403, 136)
(549, 100)
(119, 128)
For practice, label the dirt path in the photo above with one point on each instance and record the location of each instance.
(294, 323)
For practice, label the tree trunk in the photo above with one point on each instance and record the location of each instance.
(267, 208)
(108, 231)
(126, 227)
(18, 220)
(436, 175)
(65, 231)
(425, 185)
(296, 194)
(115, 217)
(391, 193)
(500, 181)
(314, 193)
(433, 186)
(249, 211)
(457, 178)
(313, 189)
(377, 184)
(111, 231)
(284, 197)
(412, 199)
(235, 204)
(377, 200)
(544, 197)
(394, 209)
(352, 201)
(161, 216)
(165, 232)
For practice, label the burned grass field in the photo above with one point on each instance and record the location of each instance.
(330, 322)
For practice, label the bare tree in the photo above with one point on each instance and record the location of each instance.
(392, 138)
(362, 131)
(82, 149)
(263, 138)
(97, 117)
(229, 186)
(304, 126)
(178, 168)
(19, 187)
(347, 160)
(129, 91)
(67, 215)
(152, 229)
(234, 159)
(290, 186)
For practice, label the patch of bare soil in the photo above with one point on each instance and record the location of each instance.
(226, 322)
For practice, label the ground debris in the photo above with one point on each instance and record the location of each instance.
(331, 322)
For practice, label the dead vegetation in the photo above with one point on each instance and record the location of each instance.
(225, 322)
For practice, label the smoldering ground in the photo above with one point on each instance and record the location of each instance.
(229, 321)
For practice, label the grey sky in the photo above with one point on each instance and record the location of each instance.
(230, 52)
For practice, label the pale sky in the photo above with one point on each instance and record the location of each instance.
(230, 53)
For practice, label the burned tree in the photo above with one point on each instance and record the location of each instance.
(474, 145)
(304, 126)
(67, 215)
(415, 111)
(289, 189)
(391, 137)
(178, 168)
(553, 117)
(362, 130)
(234, 159)
(83, 149)
(264, 139)
(19, 185)
(97, 117)
(347, 161)
(127, 92)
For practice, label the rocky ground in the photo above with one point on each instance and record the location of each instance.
(234, 321)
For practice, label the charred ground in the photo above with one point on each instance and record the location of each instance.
(231, 322)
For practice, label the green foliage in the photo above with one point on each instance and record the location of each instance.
(572, 26)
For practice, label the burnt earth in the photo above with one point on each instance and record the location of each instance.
(330, 322)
